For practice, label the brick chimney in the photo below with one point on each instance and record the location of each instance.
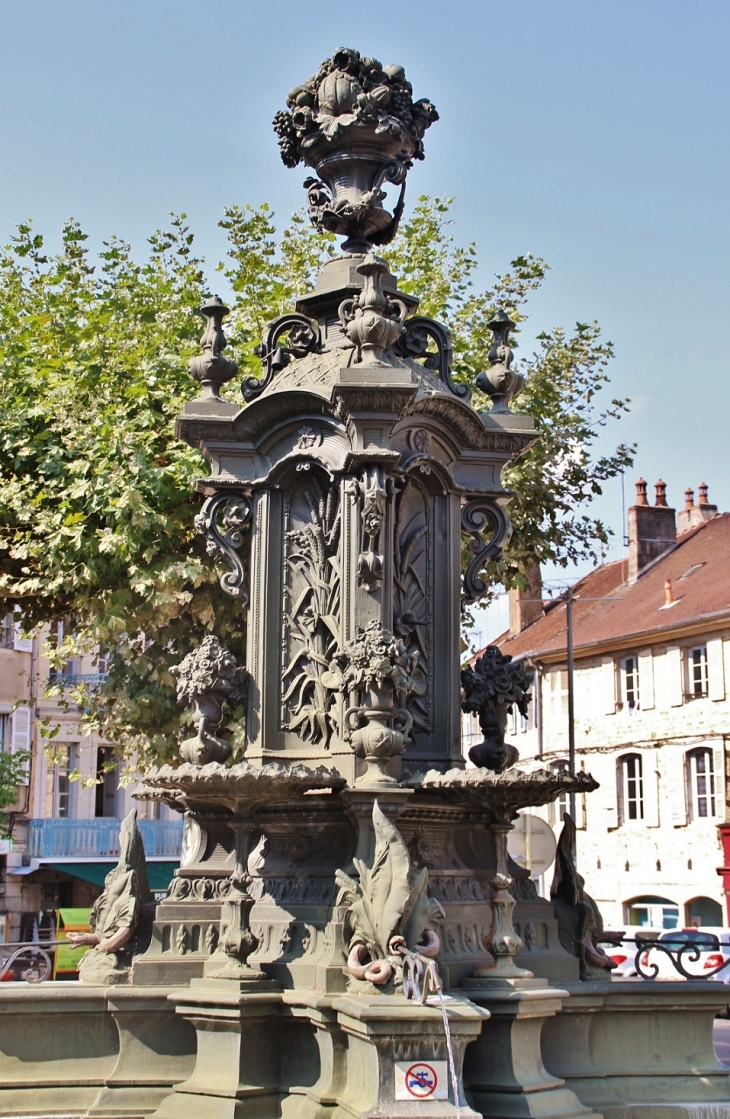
(652, 528)
(525, 607)
(692, 514)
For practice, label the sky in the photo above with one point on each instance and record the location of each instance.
(592, 134)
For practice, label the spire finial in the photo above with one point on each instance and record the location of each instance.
(500, 382)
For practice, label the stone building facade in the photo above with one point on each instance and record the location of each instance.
(65, 822)
(652, 713)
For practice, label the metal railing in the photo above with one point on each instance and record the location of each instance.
(73, 679)
(692, 957)
(99, 838)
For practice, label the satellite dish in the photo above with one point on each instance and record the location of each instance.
(532, 844)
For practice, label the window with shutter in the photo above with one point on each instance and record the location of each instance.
(7, 632)
(715, 669)
(630, 788)
(673, 676)
(20, 739)
(703, 782)
(608, 670)
(677, 790)
(21, 643)
(646, 675)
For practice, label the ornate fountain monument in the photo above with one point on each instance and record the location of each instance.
(341, 498)
(350, 858)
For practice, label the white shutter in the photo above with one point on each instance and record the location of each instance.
(21, 732)
(20, 643)
(608, 775)
(21, 728)
(677, 788)
(673, 676)
(646, 680)
(715, 669)
(651, 788)
(718, 761)
(608, 669)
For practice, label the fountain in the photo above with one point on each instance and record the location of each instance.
(349, 862)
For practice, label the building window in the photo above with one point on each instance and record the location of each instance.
(652, 912)
(58, 785)
(107, 784)
(631, 788)
(630, 682)
(702, 783)
(562, 805)
(559, 692)
(4, 733)
(7, 632)
(697, 672)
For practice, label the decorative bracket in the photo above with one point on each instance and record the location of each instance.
(235, 512)
(304, 338)
(417, 333)
(476, 515)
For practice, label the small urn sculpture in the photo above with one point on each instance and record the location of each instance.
(500, 381)
(377, 672)
(356, 123)
(208, 677)
(490, 689)
(210, 368)
(373, 321)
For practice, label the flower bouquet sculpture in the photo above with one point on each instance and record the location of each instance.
(376, 671)
(356, 123)
(490, 689)
(208, 677)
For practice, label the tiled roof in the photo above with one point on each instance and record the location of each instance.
(698, 566)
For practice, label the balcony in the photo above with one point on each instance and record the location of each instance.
(99, 839)
(76, 679)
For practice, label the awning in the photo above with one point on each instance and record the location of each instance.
(159, 873)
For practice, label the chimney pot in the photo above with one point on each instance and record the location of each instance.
(689, 499)
(641, 492)
(652, 529)
(703, 494)
(668, 596)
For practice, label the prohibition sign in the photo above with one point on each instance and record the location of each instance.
(421, 1080)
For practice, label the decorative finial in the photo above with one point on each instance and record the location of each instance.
(372, 321)
(500, 382)
(210, 368)
(356, 123)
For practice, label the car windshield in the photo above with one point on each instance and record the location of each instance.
(679, 937)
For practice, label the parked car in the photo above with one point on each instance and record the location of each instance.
(706, 950)
(624, 954)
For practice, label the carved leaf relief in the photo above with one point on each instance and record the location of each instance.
(412, 594)
(311, 610)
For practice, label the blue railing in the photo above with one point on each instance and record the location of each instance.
(75, 679)
(99, 839)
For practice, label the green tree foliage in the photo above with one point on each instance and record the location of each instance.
(97, 497)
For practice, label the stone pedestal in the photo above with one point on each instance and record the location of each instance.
(381, 1031)
(237, 1069)
(634, 1049)
(156, 1051)
(504, 1076)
